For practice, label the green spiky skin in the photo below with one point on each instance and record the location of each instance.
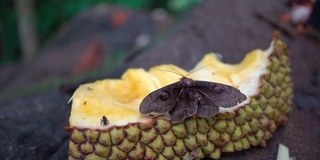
(196, 137)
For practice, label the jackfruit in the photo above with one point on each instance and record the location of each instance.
(263, 76)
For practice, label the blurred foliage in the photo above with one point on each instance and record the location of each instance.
(51, 14)
(8, 31)
(179, 6)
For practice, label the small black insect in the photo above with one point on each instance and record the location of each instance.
(104, 120)
(187, 98)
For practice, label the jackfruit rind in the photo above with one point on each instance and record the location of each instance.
(160, 138)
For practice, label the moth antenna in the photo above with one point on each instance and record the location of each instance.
(198, 69)
(171, 72)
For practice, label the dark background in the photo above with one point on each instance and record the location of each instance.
(34, 111)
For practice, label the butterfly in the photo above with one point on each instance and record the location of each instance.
(189, 97)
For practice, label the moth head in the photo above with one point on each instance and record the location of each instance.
(187, 82)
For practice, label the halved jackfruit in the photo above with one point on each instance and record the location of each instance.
(124, 133)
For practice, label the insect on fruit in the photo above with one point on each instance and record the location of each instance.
(104, 120)
(187, 98)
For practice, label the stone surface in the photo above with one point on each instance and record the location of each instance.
(32, 127)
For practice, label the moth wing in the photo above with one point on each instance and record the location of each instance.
(220, 94)
(186, 105)
(161, 100)
(206, 106)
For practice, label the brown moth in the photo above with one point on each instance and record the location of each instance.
(187, 98)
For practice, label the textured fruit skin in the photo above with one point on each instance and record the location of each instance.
(195, 137)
